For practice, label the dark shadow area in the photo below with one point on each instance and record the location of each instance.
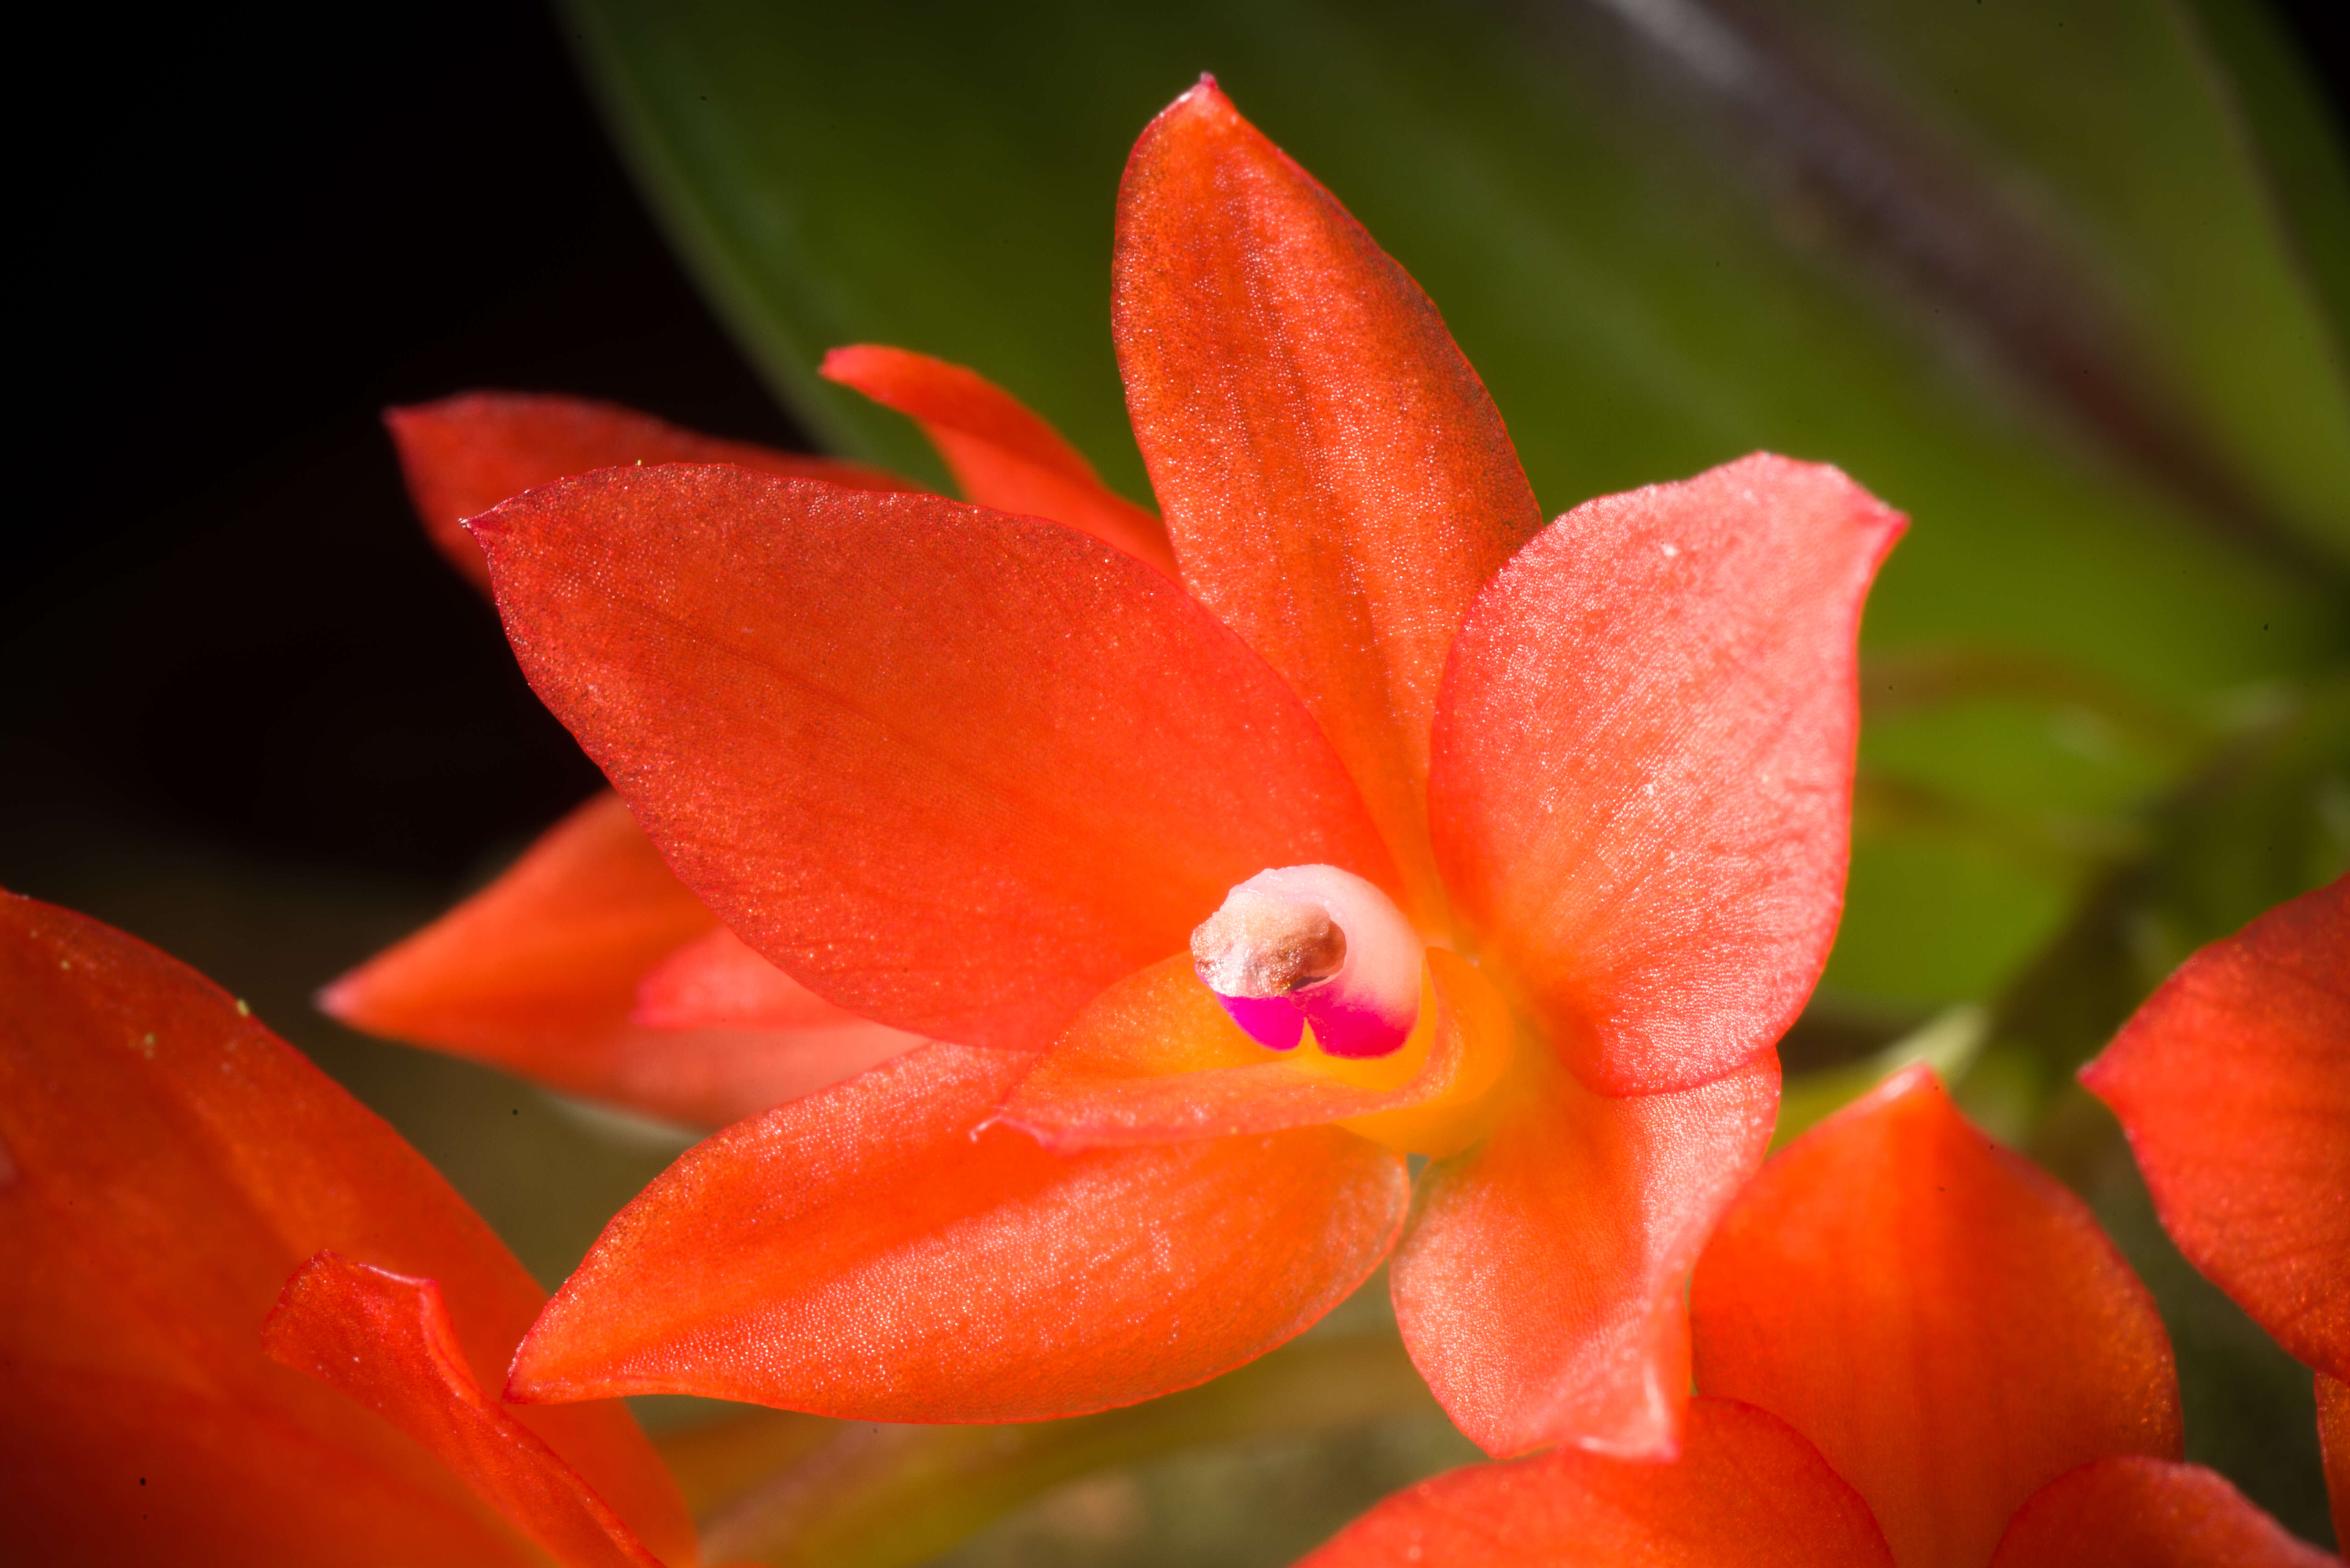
(220, 619)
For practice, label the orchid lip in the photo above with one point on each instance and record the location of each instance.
(1312, 945)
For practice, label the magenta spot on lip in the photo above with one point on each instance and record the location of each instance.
(1343, 1026)
(1270, 1021)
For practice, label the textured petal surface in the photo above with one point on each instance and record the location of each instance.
(1642, 789)
(1335, 479)
(1943, 1320)
(464, 454)
(1747, 1492)
(168, 1163)
(2131, 1511)
(386, 1340)
(955, 770)
(539, 972)
(2334, 1439)
(2233, 1083)
(1540, 1287)
(1155, 1059)
(1003, 456)
(879, 1251)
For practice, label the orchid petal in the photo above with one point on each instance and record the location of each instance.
(1943, 1320)
(879, 1251)
(953, 770)
(2131, 1511)
(464, 454)
(167, 1163)
(1540, 1287)
(2233, 1084)
(539, 974)
(1642, 786)
(386, 1340)
(1747, 1492)
(1003, 456)
(1154, 1059)
(1334, 476)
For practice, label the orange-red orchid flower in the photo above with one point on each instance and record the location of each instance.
(165, 1164)
(1913, 1349)
(2233, 1085)
(1514, 847)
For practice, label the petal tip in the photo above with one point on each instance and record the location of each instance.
(359, 998)
(549, 1368)
(2096, 1075)
(525, 1385)
(341, 998)
(495, 523)
(1917, 1079)
(1205, 97)
(1872, 516)
(847, 364)
(414, 426)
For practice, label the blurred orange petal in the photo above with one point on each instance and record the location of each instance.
(2131, 1511)
(169, 1162)
(2233, 1083)
(385, 1340)
(539, 974)
(716, 981)
(1943, 1320)
(1747, 1492)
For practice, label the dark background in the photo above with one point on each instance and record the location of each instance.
(220, 616)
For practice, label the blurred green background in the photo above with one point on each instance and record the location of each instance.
(2068, 282)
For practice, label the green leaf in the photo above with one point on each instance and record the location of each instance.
(2127, 151)
(2265, 820)
(2101, 382)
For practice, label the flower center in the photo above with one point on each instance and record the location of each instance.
(1312, 945)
